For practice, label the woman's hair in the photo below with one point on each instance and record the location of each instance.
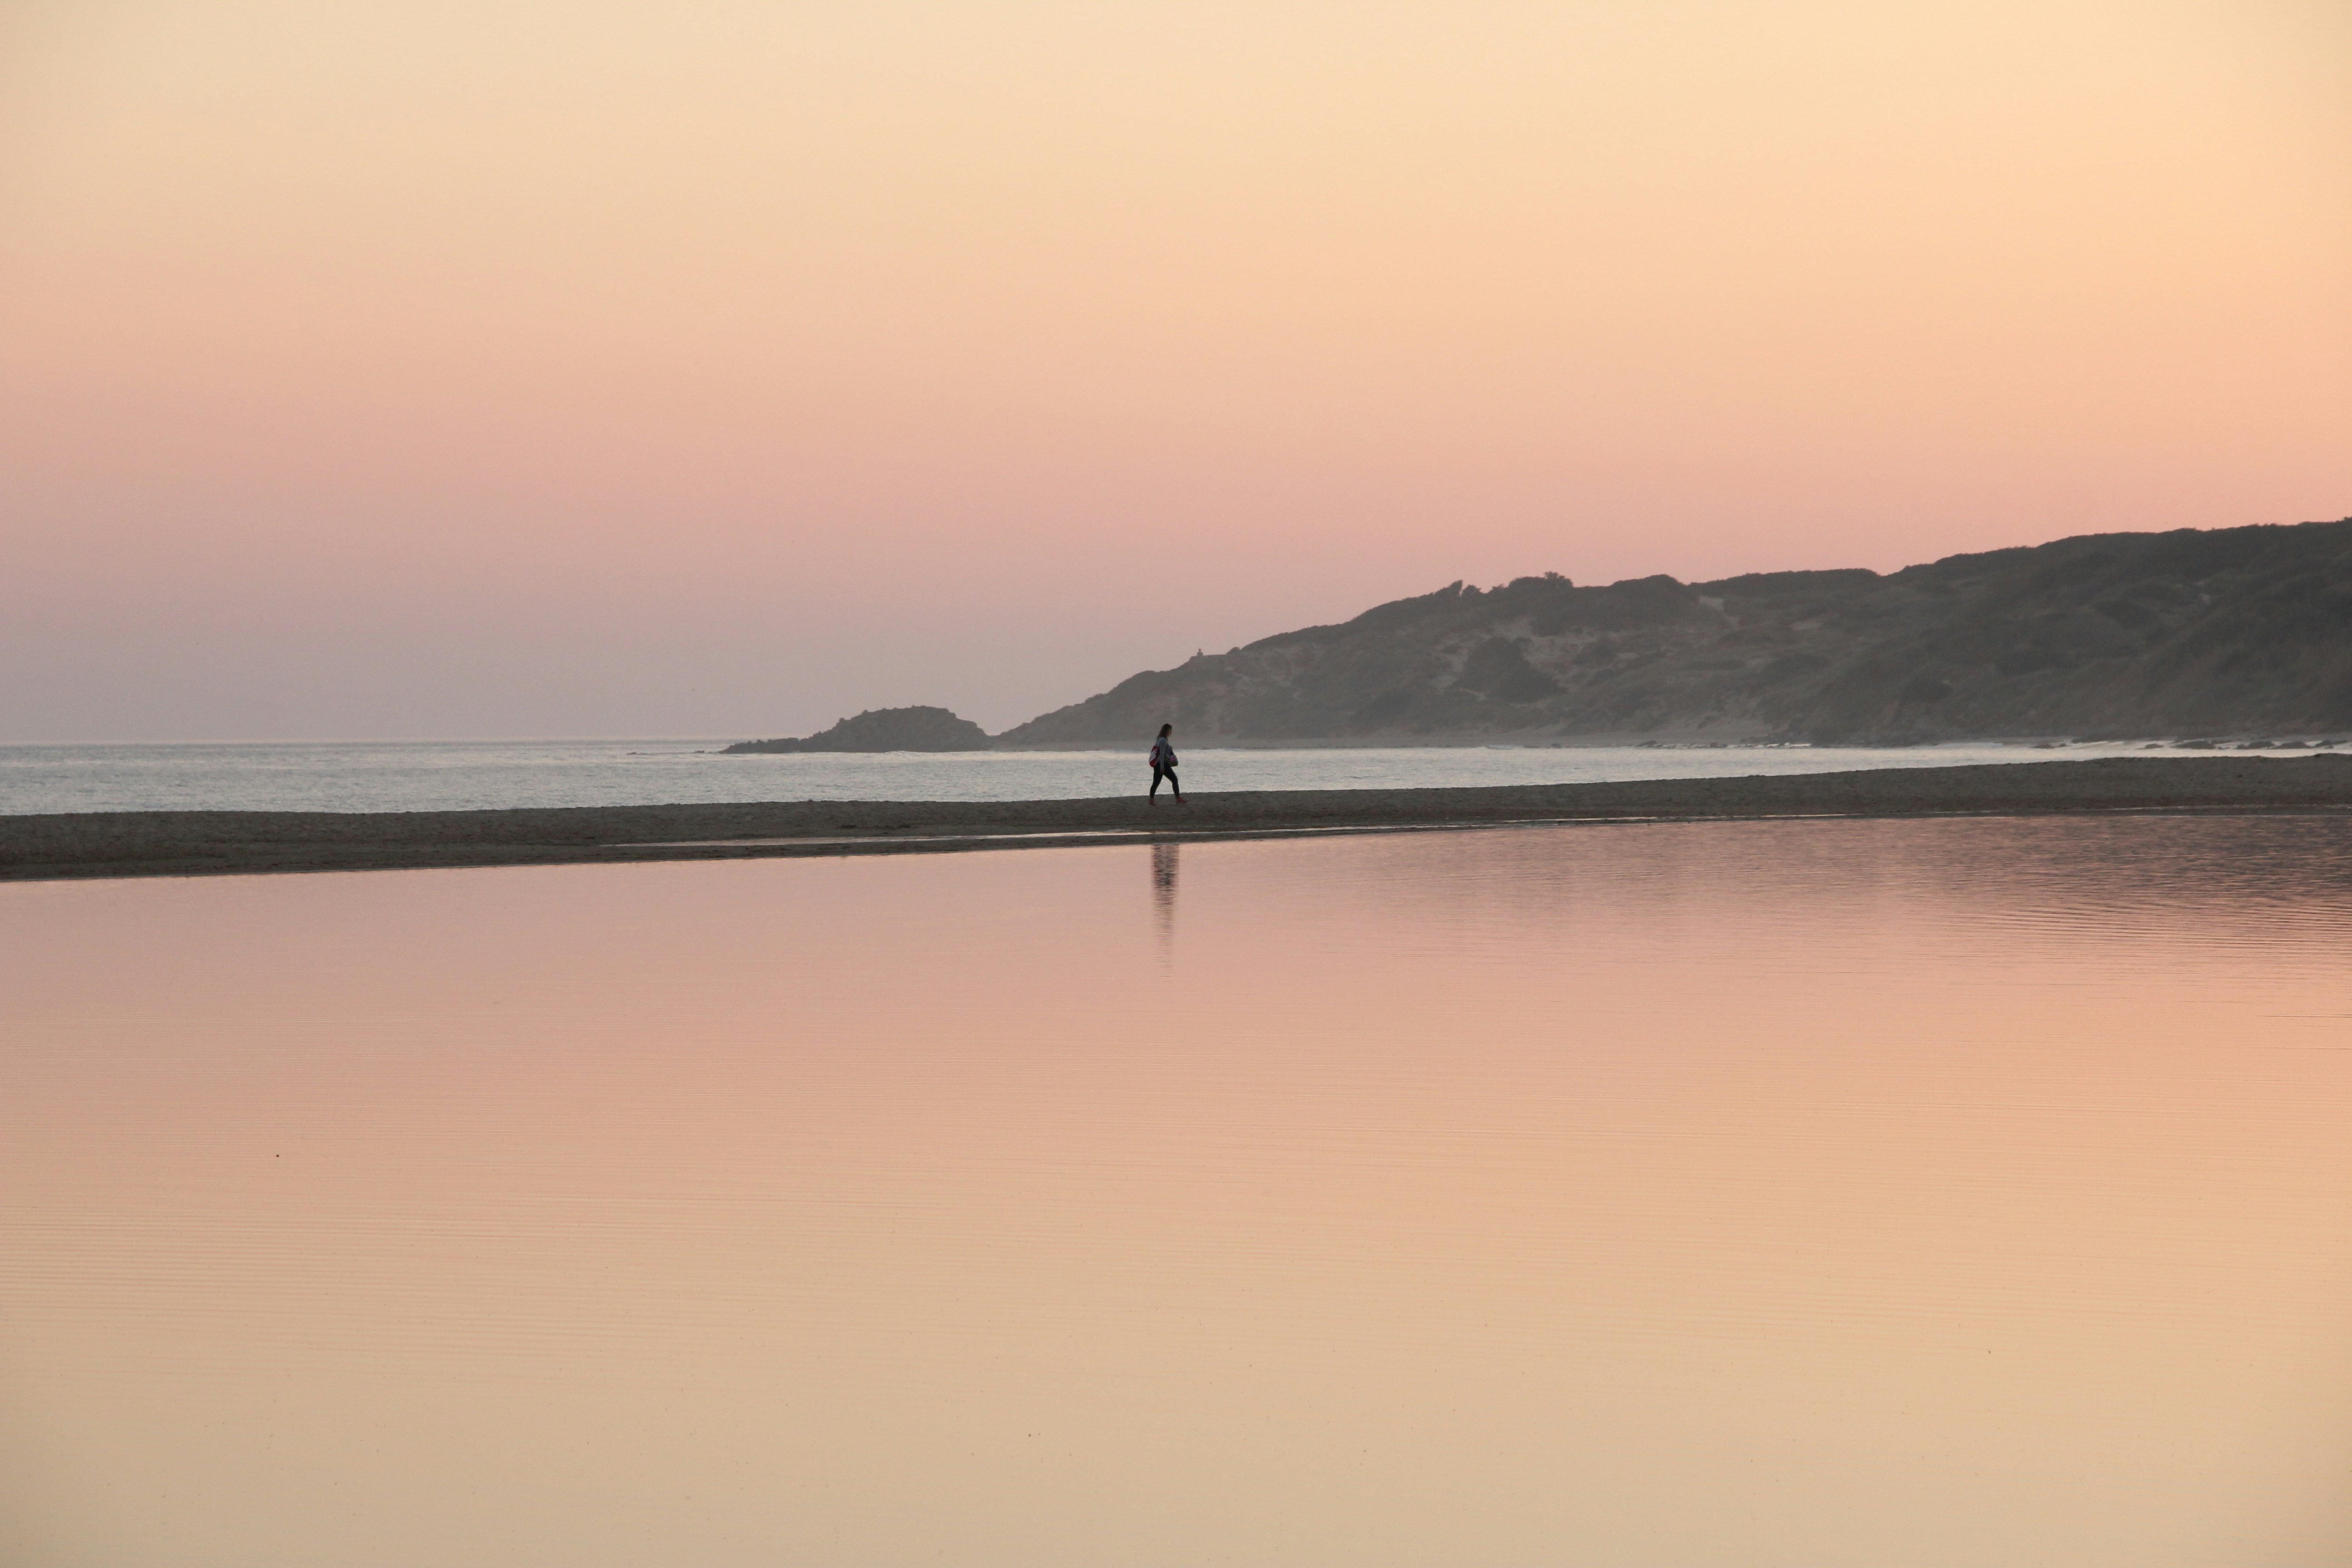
(1165, 729)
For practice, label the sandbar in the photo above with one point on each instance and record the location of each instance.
(209, 843)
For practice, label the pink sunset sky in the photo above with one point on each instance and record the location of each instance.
(570, 368)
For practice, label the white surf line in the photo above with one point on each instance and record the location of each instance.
(886, 839)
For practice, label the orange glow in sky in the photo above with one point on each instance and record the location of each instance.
(526, 368)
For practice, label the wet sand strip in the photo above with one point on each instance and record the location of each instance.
(206, 843)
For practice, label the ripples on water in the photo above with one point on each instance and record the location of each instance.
(464, 775)
(1933, 1193)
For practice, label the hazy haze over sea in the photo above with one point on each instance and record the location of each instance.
(464, 775)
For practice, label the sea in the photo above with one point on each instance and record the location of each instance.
(458, 776)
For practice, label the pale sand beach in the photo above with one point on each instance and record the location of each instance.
(205, 843)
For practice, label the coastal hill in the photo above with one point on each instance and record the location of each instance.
(2195, 632)
(884, 730)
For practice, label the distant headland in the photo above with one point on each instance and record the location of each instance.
(2195, 633)
(885, 729)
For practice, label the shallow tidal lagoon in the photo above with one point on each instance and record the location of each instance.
(1840, 1192)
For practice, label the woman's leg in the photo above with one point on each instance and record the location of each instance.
(1157, 771)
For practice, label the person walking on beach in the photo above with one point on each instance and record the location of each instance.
(1163, 763)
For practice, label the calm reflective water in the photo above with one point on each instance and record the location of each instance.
(465, 775)
(1954, 1193)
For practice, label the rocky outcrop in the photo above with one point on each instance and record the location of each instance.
(2231, 631)
(885, 729)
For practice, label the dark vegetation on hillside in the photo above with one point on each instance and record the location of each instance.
(2194, 632)
(885, 729)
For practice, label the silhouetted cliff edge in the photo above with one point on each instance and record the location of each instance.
(2194, 632)
(885, 729)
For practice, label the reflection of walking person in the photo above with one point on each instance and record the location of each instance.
(1163, 885)
(1163, 764)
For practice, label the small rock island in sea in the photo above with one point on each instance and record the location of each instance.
(884, 730)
